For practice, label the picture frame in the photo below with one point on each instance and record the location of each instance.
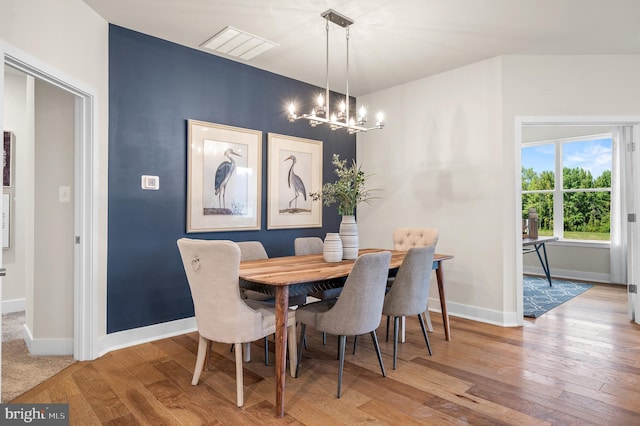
(295, 171)
(7, 159)
(6, 220)
(224, 178)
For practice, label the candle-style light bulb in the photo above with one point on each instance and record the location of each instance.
(292, 112)
(380, 120)
(320, 100)
(343, 107)
(363, 112)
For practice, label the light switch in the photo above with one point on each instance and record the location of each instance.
(64, 194)
(150, 182)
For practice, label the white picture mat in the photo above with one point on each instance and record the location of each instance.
(308, 167)
(207, 145)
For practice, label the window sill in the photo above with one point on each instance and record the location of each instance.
(584, 243)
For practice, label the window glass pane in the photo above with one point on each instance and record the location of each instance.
(587, 215)
(538, 164)
(587, 164)
(543, 204)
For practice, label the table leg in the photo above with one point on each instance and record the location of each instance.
(545, 262)
(282, 310)
(443, 302)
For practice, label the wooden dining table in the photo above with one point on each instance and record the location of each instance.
(298, 275)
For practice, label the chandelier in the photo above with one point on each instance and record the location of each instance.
(321, 113)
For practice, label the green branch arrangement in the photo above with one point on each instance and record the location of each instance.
(348, 191)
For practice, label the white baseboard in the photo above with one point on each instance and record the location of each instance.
(14, 305)
(502, 319)
(137, 336)
(569, 274)
(47, 346)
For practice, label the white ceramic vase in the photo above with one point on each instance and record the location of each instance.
(349, 237)
(332, 251)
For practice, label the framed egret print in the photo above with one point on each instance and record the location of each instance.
(295, 170)
(223, 178)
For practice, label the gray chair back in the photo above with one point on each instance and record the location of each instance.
(252, 250)
(410, 291)
(359, 308)
(308, 245)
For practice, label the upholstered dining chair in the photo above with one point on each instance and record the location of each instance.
(356, 311)
(314, 245)
(308, 245)
(212, 269)
(406, 238)
(409, 293)
(254, 250)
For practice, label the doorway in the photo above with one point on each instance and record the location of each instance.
(600, 257)
(84, 235)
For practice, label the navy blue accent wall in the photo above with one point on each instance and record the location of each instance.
(154, 87)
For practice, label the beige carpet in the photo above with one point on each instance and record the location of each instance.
(20, 370)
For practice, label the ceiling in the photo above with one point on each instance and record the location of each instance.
(392, 41)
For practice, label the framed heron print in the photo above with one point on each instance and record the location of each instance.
(223, 178)
(295, 170)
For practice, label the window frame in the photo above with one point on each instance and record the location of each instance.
(558, 191)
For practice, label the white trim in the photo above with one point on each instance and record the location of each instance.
(568, 274)
(41, 347)
(86, 202)
(13, 305)
(137, 336)
(488, 316)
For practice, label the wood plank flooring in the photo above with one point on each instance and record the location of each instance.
(576, 365)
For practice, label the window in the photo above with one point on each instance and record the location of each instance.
(568, 181)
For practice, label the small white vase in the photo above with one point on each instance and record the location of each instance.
(349, 237)
(332, 251)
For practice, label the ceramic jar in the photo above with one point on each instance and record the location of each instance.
(349, 237)
(332, 251)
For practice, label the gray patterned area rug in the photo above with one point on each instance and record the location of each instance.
(539, 297)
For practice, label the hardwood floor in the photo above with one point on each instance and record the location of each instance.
(578, 364)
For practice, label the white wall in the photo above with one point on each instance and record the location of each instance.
(53, 218)
(69, 40)
(439, 163)
(447, 159)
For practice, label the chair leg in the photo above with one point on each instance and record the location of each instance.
(355, 344)
(302, 330)
(342, 342)
(266, 350)
(292, 342)
(424, 333)
(428, 318)
(374, 337)
(207, 356)
(387, 338)
(203, 344)
(324, 338)
(247, 351)
(239, 382)
(396, 321)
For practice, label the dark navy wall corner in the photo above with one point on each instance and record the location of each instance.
(154, 87)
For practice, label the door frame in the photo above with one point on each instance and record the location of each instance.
(522, 121)
(85, 333)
